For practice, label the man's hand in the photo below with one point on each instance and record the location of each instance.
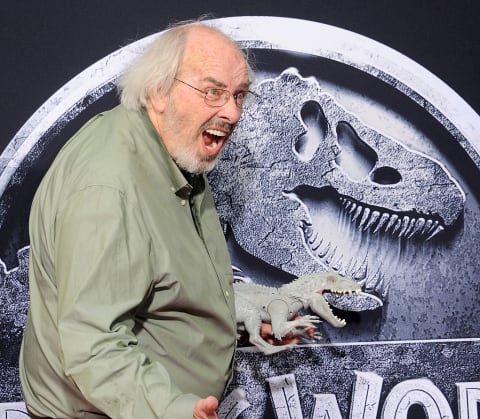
(290, 339)
(206, 408)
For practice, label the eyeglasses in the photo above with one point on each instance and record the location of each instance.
(218, 97)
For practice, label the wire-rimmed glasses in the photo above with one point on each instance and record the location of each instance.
(217, 97)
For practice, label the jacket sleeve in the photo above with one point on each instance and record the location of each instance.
(104, 274)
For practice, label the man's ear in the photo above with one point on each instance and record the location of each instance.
(158, 101)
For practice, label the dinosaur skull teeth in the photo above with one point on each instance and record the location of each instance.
(325, 252)
(396, 225)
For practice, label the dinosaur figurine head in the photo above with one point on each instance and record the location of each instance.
(328, 281)
(312, 289)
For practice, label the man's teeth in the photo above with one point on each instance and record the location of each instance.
(216, 133)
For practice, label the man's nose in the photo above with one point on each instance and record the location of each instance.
(230, 111)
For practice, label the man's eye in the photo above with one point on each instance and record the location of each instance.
(214, 94)
(241, 95)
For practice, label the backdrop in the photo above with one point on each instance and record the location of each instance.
(360, 155)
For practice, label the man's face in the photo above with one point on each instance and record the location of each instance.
(194, 132)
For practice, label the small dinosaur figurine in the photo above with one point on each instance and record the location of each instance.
(256, 303)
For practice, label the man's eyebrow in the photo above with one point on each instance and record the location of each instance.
(215, 82)
(222, 85)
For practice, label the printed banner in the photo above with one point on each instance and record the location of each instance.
(352, 159)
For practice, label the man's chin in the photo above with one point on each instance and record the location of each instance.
(198, 166)
(208, 165)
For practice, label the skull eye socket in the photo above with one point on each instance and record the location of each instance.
(386, 176)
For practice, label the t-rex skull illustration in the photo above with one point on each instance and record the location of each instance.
(292, 150)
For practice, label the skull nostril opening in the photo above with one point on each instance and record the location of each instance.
(356, 157)
(386, 176)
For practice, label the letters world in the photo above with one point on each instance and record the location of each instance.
(390, 380)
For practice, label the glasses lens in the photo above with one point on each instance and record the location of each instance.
(240, 98)
(219, 97)
(216, 97)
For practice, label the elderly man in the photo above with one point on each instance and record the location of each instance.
(132, 310)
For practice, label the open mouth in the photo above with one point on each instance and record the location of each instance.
(335, 296)
(374, 221)
(349, 300)
(213, 140)
(358, 301)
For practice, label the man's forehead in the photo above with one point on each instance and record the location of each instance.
(222, 52)
(214, 61)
